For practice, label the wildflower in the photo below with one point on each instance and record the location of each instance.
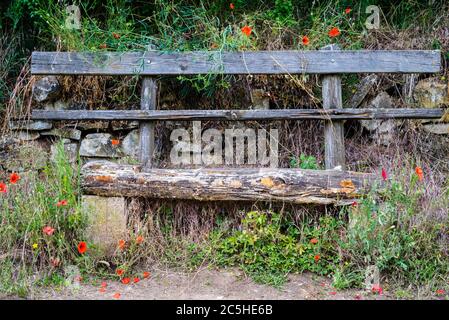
(103, 46)
(82, 247)
(14, 177)
(136, 280)
(115, 142)
(146, 275)
(125, 280)
(317, 257)
(377, 289)
(334, 32)
(2, 187)
(104, 284)
(384, 174)
(48, 230)
(440, 292)
(420, 174)
(119, 272)
(116, 295)
(121, 244)
(62, 203)
(305, 40)
(314, 241)
(231, 6)
(348, 10)
(116, 35)
(333, 293)
(34, 245)
(139, 239)
(354, 204)
(102, 290)
(358, 297)
(247, 30)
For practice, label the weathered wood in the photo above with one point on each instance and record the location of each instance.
(334, 140)
(147, 103)
(248, 62)
(225, 184)
(240, 115)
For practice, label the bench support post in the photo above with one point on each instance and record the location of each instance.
(334, 145)
(148, 102)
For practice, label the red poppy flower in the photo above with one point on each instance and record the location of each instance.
(104, 284)
(354, 204)
(116, 35)
(103, 46)
(317, 258)
(377, 289)
(62, 203)
(231, 6)
(48, 230)
(146, 274)
(305, 40)
(82, 247)
(125, 280)
(14, 177)
(384, 174)
(348, 10)
(2, 187)
(121, 244)
(247, 30)
(333, 293)
(116, 295)
(102, 290)
(115, 142)
(139, 239)
(440, 292)
(314, 241)
(334, 32)
(119, 272)
(135, 280)
(420, 174)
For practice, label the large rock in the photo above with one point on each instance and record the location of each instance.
(431, 93)
(107, 222)
(382, 130)
(363, 88)
(30, 125)
(67, 133)
(27, 156)
(131, 144)
(437, 128)
(99, 145)
(46, 89)
(70, 151)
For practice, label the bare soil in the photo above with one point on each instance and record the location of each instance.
(208, 285)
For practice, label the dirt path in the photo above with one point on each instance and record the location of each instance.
(208, 284)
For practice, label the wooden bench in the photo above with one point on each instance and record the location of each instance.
(264, 184)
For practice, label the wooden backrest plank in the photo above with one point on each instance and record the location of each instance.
(249, 62)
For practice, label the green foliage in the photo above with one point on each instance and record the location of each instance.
(304, 162)
(26, 208)
(390, 235)
(269, 247)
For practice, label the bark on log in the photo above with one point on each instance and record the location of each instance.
(226, 184)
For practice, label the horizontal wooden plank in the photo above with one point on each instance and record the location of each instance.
(239, 115)
(247, 62)
(225, 184)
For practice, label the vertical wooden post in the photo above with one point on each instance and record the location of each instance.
(334, 144)
(147, 102)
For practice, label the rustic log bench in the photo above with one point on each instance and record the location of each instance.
(265, 184)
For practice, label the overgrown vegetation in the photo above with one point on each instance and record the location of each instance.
(402, 229)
